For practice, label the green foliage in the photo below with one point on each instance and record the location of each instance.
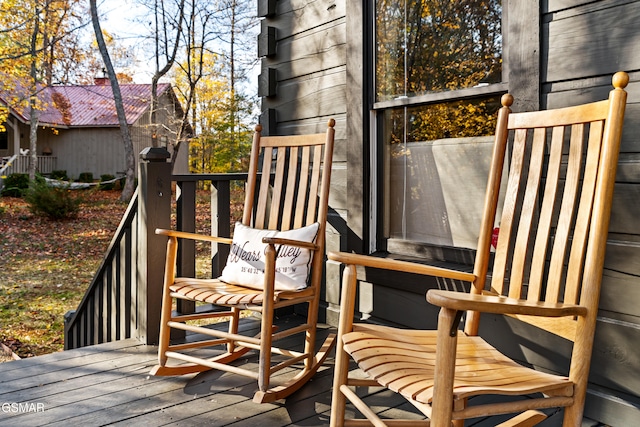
(53, 202)
(60, 175)
(110, 185)
(85, 177)
(15, 185)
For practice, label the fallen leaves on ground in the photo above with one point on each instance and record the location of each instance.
(47, 266)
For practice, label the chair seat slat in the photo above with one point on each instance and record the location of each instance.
(397, 362)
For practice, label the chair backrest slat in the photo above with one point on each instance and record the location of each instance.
(315, 181)
(277, 193)
(305, 164)
(290, 192)
(546, 213)
(581, 230)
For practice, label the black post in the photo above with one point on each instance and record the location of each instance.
(186, 221)
(220, 224)
(154, 211)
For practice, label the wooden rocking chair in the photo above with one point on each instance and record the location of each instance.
(547, 270)
(284, 218)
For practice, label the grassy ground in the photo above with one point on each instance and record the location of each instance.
(46, 267)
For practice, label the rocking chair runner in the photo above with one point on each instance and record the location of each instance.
(547, 270)
(292, 210)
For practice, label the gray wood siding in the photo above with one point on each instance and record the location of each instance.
(96, 150)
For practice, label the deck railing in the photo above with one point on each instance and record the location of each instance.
(20, 164)
(124, 297)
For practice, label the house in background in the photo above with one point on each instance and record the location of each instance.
(79, 131)
(390, 73)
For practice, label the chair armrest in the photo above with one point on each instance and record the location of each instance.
(396, 265)
(193, 236)
(501, 305)
(290, 242)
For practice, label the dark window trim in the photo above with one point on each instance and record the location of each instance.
(440, 97)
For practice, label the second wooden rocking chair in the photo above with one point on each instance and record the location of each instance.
(276, 260)
(546, 270)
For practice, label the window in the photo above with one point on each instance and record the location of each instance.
(438, 74)
(4, 137)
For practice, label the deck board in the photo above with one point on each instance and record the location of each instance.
(109, 384)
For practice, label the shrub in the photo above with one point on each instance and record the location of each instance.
(85, 177)
(108, 186)
(60, 174)
(15, 185)
(53, 202)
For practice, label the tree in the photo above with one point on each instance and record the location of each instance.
(127, 191)
(166, 24)
(237, 19)
(31, 37)
(219, 53)
(223, 142)
(197, 34)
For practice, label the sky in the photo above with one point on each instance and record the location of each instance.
(123, 19)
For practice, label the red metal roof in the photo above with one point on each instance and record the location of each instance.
(87, 106)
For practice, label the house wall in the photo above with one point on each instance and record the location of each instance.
(96, 150)
(314, 64)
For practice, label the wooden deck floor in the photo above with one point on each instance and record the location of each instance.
(109, 384)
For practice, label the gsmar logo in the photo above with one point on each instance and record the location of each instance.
(22, 407)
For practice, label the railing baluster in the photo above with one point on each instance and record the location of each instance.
(220, 224)
(186, 221)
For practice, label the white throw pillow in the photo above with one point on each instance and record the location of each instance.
(245, 264)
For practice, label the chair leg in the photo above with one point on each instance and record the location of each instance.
(234, 321)
(341, 370)
(312, 361)
(165, 315)
(445, 370)
(264, 370)
(310, 334)
(265, 347)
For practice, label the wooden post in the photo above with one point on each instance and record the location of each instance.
(154, 209)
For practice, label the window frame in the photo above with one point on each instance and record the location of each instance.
(525, 81)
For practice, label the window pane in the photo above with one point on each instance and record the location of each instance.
(427, 46)
(436, 161)
(4, 140)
